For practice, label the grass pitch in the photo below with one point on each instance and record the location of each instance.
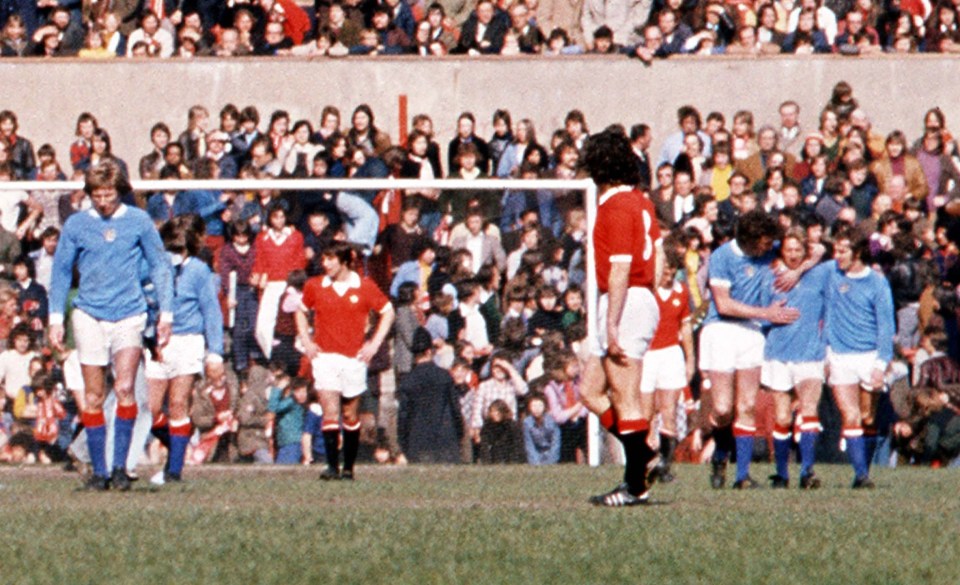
(479, 525)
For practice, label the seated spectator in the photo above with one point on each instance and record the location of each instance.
(15, 361)
(483, 31)
(61, 35)
(253, 418)
(807, 38)
(857, 38)
(943, 30)
(541, 435)
(214, 414)
(13, 39)
(158, 40)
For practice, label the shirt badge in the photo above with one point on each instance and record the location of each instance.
(843, 288)
(676, 302)
(109, 235)
(749, 271)
(354, 299)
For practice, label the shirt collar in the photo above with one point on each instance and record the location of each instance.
(121, 210)
(353, 281)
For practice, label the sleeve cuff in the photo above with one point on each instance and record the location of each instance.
(55, 319)
(166, 317)
(214, 358)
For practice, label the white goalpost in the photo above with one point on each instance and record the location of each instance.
(586, 186)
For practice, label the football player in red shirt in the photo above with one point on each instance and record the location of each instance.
(341, 302)
(625, 238)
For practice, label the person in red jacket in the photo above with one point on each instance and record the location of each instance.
(280, 251)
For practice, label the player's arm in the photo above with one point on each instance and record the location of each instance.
(686, 342)
(886, 330)
(727, 306)
(788, 279)
(62, 273)
(212, 327)
(616, 297)
(303, 332)
(161, 275)
(371, 346)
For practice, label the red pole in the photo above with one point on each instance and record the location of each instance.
(402, 118)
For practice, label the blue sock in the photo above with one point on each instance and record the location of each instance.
(178, 450)
(96, 430)
(808, 447)
(857, 452)
(744, 455)
(122, 433)
(781, 455)
(870, 440)
(179, 439)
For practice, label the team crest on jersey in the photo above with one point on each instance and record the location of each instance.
(676, 302)
(109, 235)
(354, 299)
(749, 271)
(843, 288)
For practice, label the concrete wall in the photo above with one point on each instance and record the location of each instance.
(128, 97)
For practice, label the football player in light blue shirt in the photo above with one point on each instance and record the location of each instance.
(859, 330)
(108, 243)
(793, 361)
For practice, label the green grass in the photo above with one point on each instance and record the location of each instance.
(477, 525)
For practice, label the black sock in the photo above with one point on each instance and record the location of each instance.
(331, 443)
(668, 445)
(351, 444)
(725, 444)
(162, 434)
(637, 454)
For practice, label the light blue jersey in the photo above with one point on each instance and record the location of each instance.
(745, 276)
(195, 305)
(860, 316)
(108, 252)
(802, 340)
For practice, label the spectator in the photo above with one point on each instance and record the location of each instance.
(541, 436)
(429, 423)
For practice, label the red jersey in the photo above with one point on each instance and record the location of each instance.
(625, 231)
(674, 305)
(340, 318)
(277, 255)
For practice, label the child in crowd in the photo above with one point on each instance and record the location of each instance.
(15, 361)
(49, 413)
(311, 440)
(541, 435)
(573, 310)
(288, 399)
(501, 438)
(285, 331)
(562, 394)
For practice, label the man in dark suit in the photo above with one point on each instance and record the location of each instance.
(640, 139)
(483, 31)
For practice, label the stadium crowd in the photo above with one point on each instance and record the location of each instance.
(645, 29)
(487, 287)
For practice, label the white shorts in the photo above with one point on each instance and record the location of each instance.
(97, 340)
(663, 369)
(853, 368)
(638, 323)
(728, 347)
(183, 356)
(339, 373)
(785, 376)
